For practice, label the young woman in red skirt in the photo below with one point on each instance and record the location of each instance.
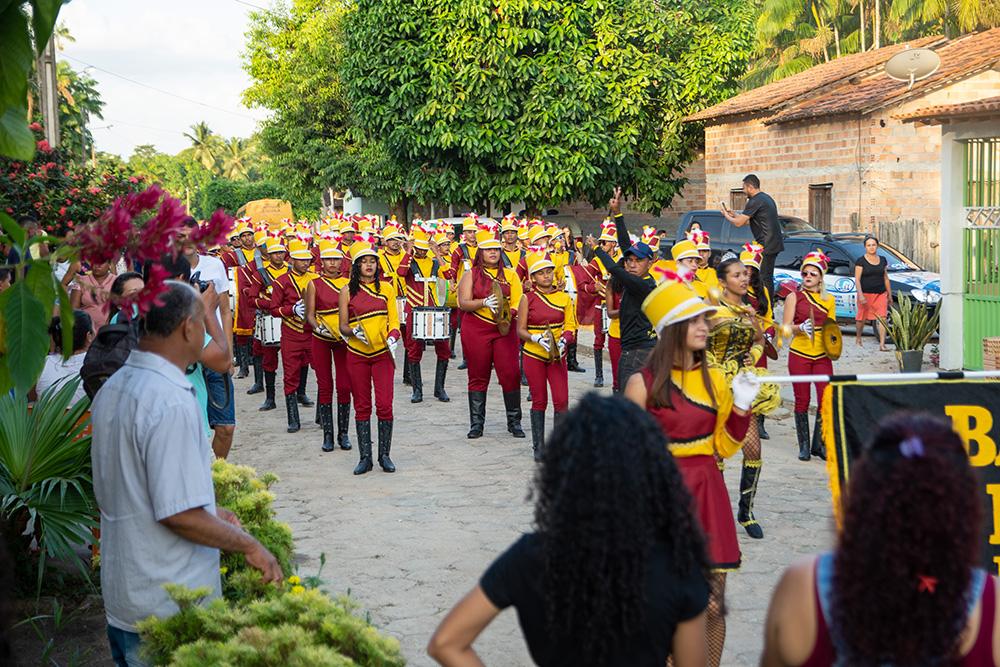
(329, 349)
(703, 420)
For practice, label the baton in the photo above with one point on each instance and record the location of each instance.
(875, 377)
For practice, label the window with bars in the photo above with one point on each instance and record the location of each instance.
(821, 206)
(981, 179)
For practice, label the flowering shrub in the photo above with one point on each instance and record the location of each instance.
(60, 194)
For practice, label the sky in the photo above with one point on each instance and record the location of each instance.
(191, 49)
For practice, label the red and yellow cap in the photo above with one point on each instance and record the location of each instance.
(330, 250)
(509, 224)
(608, 231)
(816, 258)
(299, 250)
(752, 255)
(700, 239)
(469, 224)
(537, 259)
(673, 301)
(685, 249)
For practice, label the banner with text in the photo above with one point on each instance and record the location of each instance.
(852, 410)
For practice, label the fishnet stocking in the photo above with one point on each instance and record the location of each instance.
(716, 621)
(751, 443)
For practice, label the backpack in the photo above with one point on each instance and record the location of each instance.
(107, 353)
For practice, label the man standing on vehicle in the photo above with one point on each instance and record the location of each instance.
(762, 214)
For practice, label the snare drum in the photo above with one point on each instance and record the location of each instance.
(605, 319)
(231, 272)
(431, 323)
(268, 330)
(401, 309)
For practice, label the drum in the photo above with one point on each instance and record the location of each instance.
(401, 309)
(569, 281)
(431, 323)
(231, 272)
(268, 329)
(605, 319)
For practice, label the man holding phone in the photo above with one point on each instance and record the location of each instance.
(762, 214)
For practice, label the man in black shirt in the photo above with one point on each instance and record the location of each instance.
(762, 214)
(638, 337)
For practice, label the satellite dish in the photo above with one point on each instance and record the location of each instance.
(912, 65)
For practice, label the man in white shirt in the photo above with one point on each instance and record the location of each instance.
(153, 478)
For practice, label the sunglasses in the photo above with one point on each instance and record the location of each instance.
(810, 274)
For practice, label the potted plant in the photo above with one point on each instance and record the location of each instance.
(911, 325)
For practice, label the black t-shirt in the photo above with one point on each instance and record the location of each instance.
(636, 331)
(764, 226)
(515, 579)
(873, 275)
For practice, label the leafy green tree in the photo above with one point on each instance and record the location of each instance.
(540, 101)
(235, 157)
(181, 175)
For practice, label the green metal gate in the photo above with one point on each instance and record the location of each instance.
(981, 277)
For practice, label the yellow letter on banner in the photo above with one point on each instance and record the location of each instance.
(994, 491)
(973, 424)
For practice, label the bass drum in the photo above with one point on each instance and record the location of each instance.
(833, 340)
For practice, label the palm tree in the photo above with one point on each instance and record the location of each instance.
(236, 159)
(922, 17)
(205, 145)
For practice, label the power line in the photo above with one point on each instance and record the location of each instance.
(144, 127)
(160, 90)
(250, 4)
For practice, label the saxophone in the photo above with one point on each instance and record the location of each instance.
(503, 309)
(554, 354)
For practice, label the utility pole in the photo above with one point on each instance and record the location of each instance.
(48, 94)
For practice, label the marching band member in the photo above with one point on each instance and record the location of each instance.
(513, 253)
(614, 304)
(287, 302)
(329, 349)
(546, 323)
(751, 257)
(608, 242)
(570, 276)
(807, 309)
(370, 323)
(243, 317)
(687, 261)
(702, 418)
(488, 295)
(390, 255)
(420, 273)
(259, 296)
(462, 257)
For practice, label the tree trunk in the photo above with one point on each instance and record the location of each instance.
(399, 207)
(861, 9)
(877, 28)
(531, 210)
(836, 38)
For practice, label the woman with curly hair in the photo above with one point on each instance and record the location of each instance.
(903, 586)
(614, 573)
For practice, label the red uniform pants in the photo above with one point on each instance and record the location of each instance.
(598, 329)
(367, 373)
(801, 366)
(325, 356)
(415, 348)
(269, 354)
(485, 348)
(241, 339)
(615, 352)
(543, 376)
(296, 348)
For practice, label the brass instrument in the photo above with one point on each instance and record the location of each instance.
(503, 309)
(554, 354)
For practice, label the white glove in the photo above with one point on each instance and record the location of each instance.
(300, 309)
(393, 345)
(745, 391)
(807, 328)
(359, 333)
(323, 331)
(491, 303)
(561, 344)
(543, 341)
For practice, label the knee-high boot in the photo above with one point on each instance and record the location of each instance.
(303, 400)
(343, 425)
(760, 428)
(818, 446)
(385, 445)
(326, 420)
(598, 368)
(258, 375)
(572, 362)
(748, 491)
(802, 434)
(292, 407)
(512, 403)
(537, 433)
(477, 413)
(364, 447)
(268, 403)
(243, 360)
(407, 373)
(440, 371)
(416, 382)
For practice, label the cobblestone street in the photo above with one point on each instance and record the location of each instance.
(406, 546)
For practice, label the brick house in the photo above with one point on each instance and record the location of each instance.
(829, 144)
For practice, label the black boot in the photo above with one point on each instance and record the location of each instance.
(537, 433)
(440, 371)
(760, 428)
(572, 363)
(416, 381)
(748, 491)
(477, 413)
(326, 420)
(243, 359)
(343, 425)
(364, 446)
(292, 406)
(557, 418)
(818, 446)
(268, 403)
(802, 434)
(454, 333)
(385, 445)
(598, 368)
(512, 403)
(258, 375)
(301, 393)
(407, 373)
(462, 366)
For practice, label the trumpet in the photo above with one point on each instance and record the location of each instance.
(503, 309)
(550, 336)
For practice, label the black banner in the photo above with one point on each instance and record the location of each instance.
(852, 410)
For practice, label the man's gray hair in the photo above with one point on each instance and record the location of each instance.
(177, 303)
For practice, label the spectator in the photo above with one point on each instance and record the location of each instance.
(92, 292)
(871, 275)
(153, 479)
(6, 276)
(125, 286)
(903, 586)
(762, 215)
(57, 369)
(615, 573)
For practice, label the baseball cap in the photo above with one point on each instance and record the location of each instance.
(640, 250)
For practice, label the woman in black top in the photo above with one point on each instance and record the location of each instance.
(615, 572)
(871, 275)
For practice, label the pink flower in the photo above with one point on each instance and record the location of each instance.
(43, 146)
(35, 127)
(94, 190)
(133, 179)
(62, 211)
